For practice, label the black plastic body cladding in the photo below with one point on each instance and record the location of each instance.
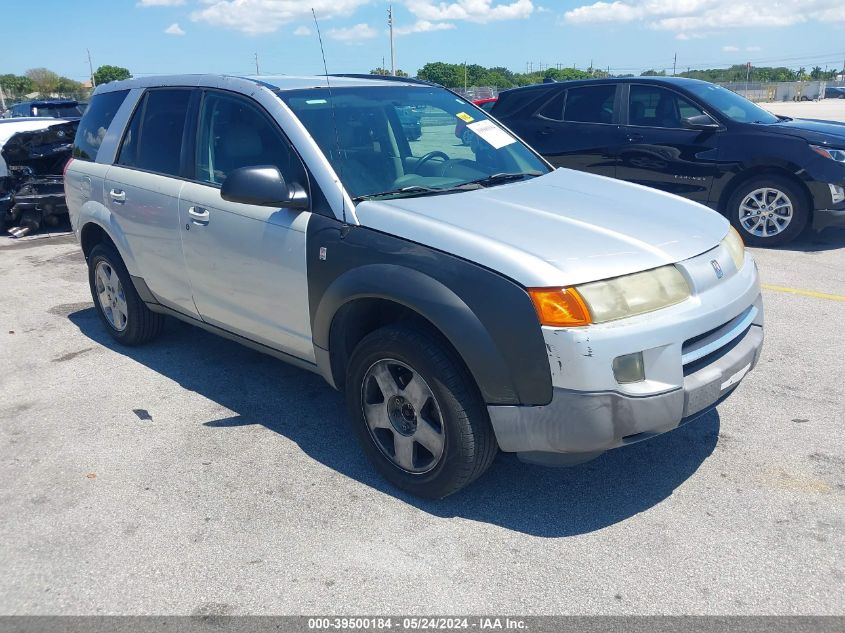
(487, 318)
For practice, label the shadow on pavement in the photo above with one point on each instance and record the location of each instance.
(302, 407)
(811, 241)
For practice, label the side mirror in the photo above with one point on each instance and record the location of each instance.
(700, 122)
(264, 186)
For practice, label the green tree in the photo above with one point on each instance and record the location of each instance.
(384, 72)
(653, 73)
(816, 73)
(44, 81)
(105, 74)
(16, 85)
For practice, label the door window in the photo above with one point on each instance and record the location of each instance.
(233, 133)
(153, 141)
(590, 104)
(653, 106)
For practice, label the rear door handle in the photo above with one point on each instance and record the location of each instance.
(198, 215)
(634, 137)
(546, 131)
(118, 195)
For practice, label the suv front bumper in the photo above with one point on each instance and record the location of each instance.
(585, 422)
(694, 355)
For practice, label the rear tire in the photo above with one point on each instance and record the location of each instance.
(417, 412)
(768, 211)
(120, 308)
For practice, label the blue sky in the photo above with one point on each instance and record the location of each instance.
(174, 36)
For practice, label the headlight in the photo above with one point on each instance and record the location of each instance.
(611, 299)
(734, 245)
(634, 294)
(828, 152)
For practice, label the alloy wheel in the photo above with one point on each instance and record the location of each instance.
(765, 212)
(111, 296)
(403, 416)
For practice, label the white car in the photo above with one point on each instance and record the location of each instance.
(465, 298)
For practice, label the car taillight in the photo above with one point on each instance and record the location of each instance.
(67, 164)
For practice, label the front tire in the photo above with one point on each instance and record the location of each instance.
(126, 317)
(417, 412)
(768, 211)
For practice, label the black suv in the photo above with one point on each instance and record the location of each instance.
(770, 175)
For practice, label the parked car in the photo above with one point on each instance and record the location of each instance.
(834, 92)
(770, 175)
(68, 109)
(411, 123)
(464, 302)
(33, 153)
(461, 130)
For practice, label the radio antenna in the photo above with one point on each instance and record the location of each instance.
(334, 117)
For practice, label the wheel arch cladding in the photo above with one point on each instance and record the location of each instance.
(488, 319)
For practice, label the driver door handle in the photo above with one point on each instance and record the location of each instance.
(198, 215)
(118, 195)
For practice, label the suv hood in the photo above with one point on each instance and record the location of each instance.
(819, 132)
(560, 229)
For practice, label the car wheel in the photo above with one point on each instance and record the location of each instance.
(417, 412)
(126, 317)
(768, 211)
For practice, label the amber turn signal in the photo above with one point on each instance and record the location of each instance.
(560, 307)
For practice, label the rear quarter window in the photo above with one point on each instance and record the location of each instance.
(95, 123)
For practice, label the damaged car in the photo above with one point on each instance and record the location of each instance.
(33, 154)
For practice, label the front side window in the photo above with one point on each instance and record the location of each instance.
(653, 106)
(233, 133)
(392, 141)
(153, 141)
(94, 125)
(590, 104)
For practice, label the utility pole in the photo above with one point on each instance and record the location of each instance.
(465, 76)
(392, 50)
(256, 64)
(675, 65)
(91, 68)
(747, 77)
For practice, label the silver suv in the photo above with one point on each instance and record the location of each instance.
(466, 298)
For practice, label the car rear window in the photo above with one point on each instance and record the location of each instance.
(95, 124)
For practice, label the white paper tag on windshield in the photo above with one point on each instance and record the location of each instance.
(491, 133)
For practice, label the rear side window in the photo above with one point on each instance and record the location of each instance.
(153, 141)
(94, 125)
(652, 106)
(591, 104)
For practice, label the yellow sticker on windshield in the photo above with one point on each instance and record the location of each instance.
(463, 116)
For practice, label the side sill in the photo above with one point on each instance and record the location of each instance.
(264, 349)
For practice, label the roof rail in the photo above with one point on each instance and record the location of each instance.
(409, 80)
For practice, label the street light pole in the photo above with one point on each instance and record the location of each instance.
(392, 50)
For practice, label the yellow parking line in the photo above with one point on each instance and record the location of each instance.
(804, 293)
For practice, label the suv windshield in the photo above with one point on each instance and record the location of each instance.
(390, 141)
(57, 111)
(730, 104)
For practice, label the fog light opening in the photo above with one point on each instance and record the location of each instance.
(837, 193)
(629, 368)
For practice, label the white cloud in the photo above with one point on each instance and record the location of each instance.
(302, 31)
(423, 26)
(688, 16)
(159, 3)
(266, 16)
(470, 10)
(351, 34)
(730, 49)
(174, 29)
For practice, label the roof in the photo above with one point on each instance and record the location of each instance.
(676, 81)
(47, 102)
(274, 82)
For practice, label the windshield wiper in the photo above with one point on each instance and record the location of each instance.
(498, 179)
(415, 190)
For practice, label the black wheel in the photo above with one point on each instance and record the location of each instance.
(121, 310)
(768, 211)
(417, 412)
